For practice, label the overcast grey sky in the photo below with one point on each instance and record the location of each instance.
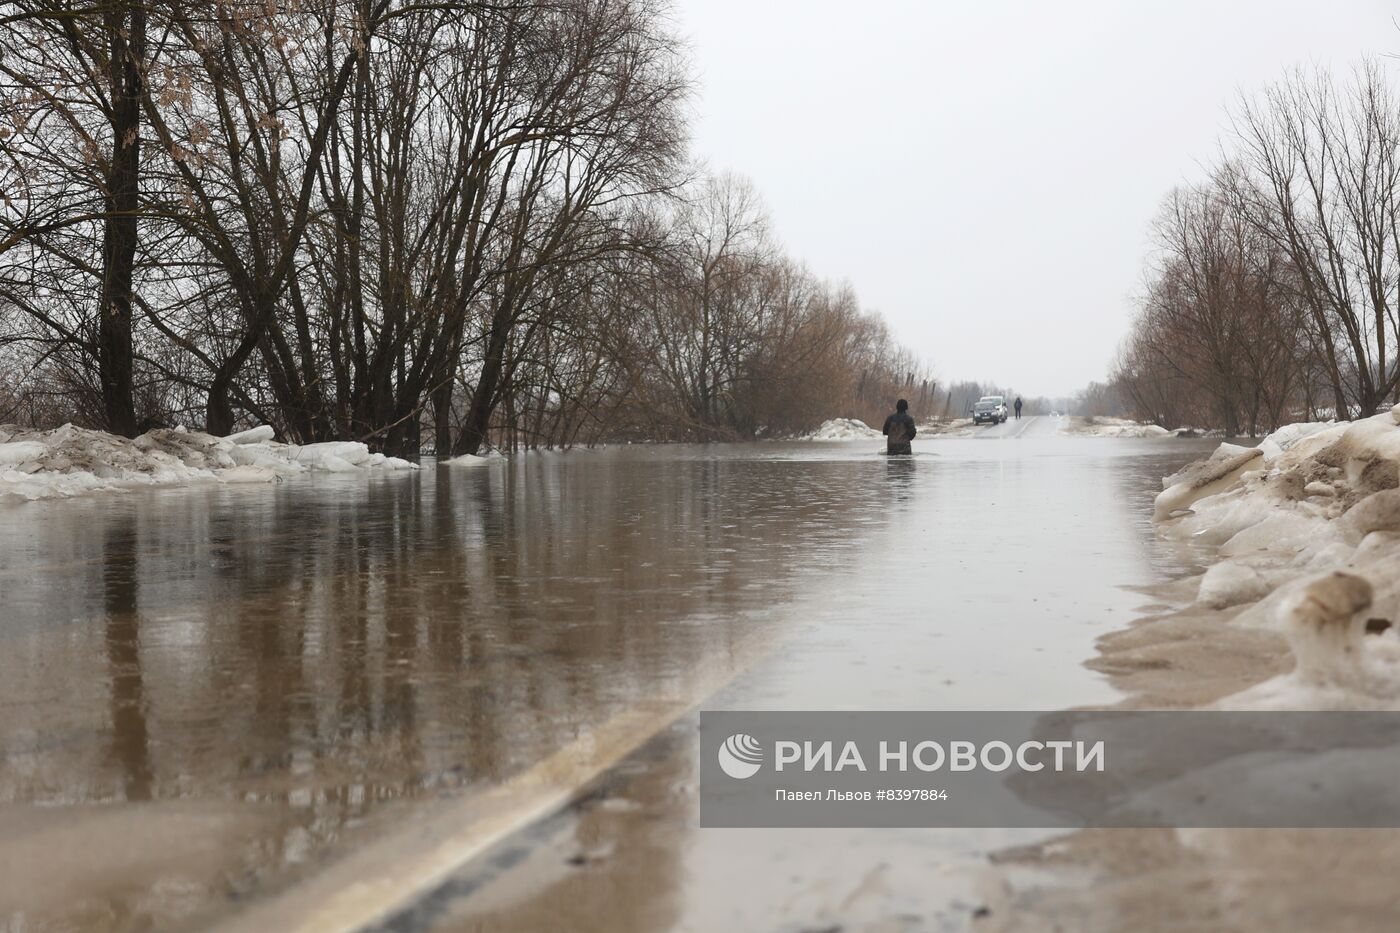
(982, 172)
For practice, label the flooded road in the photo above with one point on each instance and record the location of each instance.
(210, 693)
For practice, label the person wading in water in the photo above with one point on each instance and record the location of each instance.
(900, 430)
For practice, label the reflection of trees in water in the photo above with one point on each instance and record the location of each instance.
(321, 647)
(129, 742)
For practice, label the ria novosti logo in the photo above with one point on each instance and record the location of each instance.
(741, 756)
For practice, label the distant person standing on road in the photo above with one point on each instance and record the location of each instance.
(900, 430)
(1018, 408)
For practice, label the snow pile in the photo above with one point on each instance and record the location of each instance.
(71, 461)
(958, 427)
(842, 429)
(1302, 476)
(1110, 427)
(473, 460)
(1307, 528)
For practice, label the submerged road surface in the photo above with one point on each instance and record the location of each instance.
(464, 699)
(1027, 426)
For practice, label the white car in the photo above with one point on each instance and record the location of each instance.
(989, 408)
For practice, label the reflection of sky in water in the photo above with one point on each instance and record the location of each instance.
(306, 651)
(969, 590)
(1000, 565)
(996, 568)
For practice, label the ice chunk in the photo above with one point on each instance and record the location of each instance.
(332, 463)
(260, 455)
(1373, 438)
(256, 435)
(1279, 531)
(1233, 583)
(1324, 623)
(20, 451)
(1290, 434)
(333, 452)
(1326, 555)
(1203, 478)
(1377, 512)
(248, 474)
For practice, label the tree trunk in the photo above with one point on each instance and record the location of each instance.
(483, 399)
(442, 419)
(127, 31)
(218, 410)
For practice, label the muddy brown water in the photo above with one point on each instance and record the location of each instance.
(205, 692)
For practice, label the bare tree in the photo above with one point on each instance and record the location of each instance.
(1320, 176)
(378, 218)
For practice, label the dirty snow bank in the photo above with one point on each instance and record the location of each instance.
(1307, 530)
(842, 429)
(958, 427)
(1110, 427)
(71, 461)
(853, 429)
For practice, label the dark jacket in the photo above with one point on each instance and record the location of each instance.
(899, 428)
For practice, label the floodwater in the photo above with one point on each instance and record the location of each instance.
(208, 694)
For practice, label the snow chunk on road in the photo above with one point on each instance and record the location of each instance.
(72, 461)
(843, 429)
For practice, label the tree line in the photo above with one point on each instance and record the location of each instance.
(1274, 289)
(424, 226)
